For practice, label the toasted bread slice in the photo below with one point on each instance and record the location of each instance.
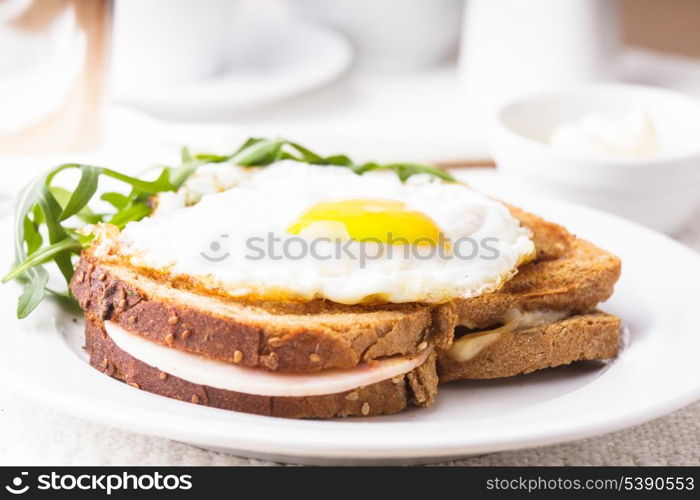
(256, 335)
(417, 387)
(568, 274)
(497, 353)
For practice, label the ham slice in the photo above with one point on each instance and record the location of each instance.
(230, 377)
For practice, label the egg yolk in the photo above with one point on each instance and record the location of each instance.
(386, 221)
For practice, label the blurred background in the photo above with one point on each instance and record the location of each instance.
(130, 81)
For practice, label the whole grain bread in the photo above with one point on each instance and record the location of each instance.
(253, 335)
(417, 387)
(592, 336)
(568, 274)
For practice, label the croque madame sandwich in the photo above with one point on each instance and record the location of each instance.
(307, 290)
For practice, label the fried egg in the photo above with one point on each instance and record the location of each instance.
(294, 231)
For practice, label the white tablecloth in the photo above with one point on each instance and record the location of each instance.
(32, 435)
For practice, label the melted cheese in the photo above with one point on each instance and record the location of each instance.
(467, 347)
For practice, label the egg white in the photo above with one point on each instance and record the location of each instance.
(268, 201)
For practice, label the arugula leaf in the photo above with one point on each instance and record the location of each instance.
(35, 278)
(43, 205)
(341, 161)
(133, 212)
(32, 236)
(117, 200)
(44, 254)
(406, 170)
(33, 291)
(83, 192)
(308, 155)
(256, 152)
(185, 156)
(43, 210)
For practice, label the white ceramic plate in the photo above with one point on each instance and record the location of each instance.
(269, 64)
(656, 372)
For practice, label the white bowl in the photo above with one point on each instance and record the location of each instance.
(662, 191)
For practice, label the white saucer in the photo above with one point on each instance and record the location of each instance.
(657, 372)
(266, 63)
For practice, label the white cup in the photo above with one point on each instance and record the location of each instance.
(162, 41)
(392, 33)
(513, 47)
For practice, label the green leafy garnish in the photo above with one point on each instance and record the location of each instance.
(260, 152)
(42, 212)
